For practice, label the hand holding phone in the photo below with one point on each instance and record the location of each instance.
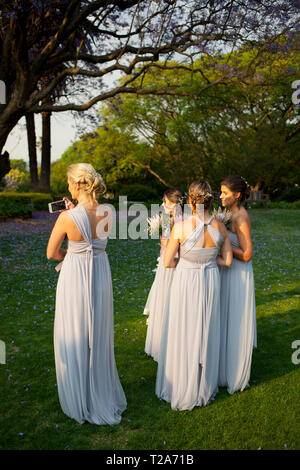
(57, 206)
(70, 204)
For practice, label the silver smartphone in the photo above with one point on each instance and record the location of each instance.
(57, 206)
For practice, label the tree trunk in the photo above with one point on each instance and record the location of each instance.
(44, 183)
(9, 117)
(4, 165)
(31, 138)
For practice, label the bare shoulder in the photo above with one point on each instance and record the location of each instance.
(64, 217)
(242, 218)
(178, 226)
(180, 229)
(242, 223)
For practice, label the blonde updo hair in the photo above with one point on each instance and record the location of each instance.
(90, 181)
(200, 193)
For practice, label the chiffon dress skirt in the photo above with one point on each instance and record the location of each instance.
(156, 305)
(238, 323)
(88, 383)
(188, 363)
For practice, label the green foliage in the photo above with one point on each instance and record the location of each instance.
(248, 127)
(108, 150)
(13, 203)
(138, 192)
(290, 194)
(18, 178)
(241, 126)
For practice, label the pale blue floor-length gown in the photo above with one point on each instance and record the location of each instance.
(156, 304)
(188, 363)
(238, 323)
(87, 379)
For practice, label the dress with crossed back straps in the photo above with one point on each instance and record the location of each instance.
(87, 379)
(238, 322)
(188, 362)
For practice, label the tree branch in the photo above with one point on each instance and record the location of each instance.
(148, 167)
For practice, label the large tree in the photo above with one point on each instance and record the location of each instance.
(251, 127)
(122, 35)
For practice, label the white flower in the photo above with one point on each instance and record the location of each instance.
(222, 216)
(155, 224)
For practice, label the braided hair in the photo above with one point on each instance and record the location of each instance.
(200, 193)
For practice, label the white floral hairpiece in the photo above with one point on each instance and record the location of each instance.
(245, 181)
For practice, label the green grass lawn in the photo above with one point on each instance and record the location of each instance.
(263, 416)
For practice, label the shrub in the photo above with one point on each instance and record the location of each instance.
(284, 205)
(18, 178)
(12, 203)
(290, 194)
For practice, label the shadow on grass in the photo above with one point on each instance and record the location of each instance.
(275, 334)
(271, 359)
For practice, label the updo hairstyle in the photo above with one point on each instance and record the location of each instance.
(90, 181)
(174, 195)
(200, 193)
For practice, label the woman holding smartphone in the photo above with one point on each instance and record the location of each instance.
(88, 384)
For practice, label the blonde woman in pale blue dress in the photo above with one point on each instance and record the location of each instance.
(188, 363)
(87, 379)
(159, 292)
(238, 311)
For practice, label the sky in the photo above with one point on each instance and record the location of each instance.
(63, 130)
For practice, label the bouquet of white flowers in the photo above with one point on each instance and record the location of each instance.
(155, 225)
(160, 225)
(223, 216)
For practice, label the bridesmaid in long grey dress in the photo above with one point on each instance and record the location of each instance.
(88, 384)
(238, 312)
(159, 292)
(188, 362)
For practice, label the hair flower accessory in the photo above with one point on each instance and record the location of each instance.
(245, 181)
(182, 200)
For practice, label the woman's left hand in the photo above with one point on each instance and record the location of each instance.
(70, 204)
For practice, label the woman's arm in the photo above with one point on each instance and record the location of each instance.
(172, 249)
(54, 250)
(243, 231)
(225, 256)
